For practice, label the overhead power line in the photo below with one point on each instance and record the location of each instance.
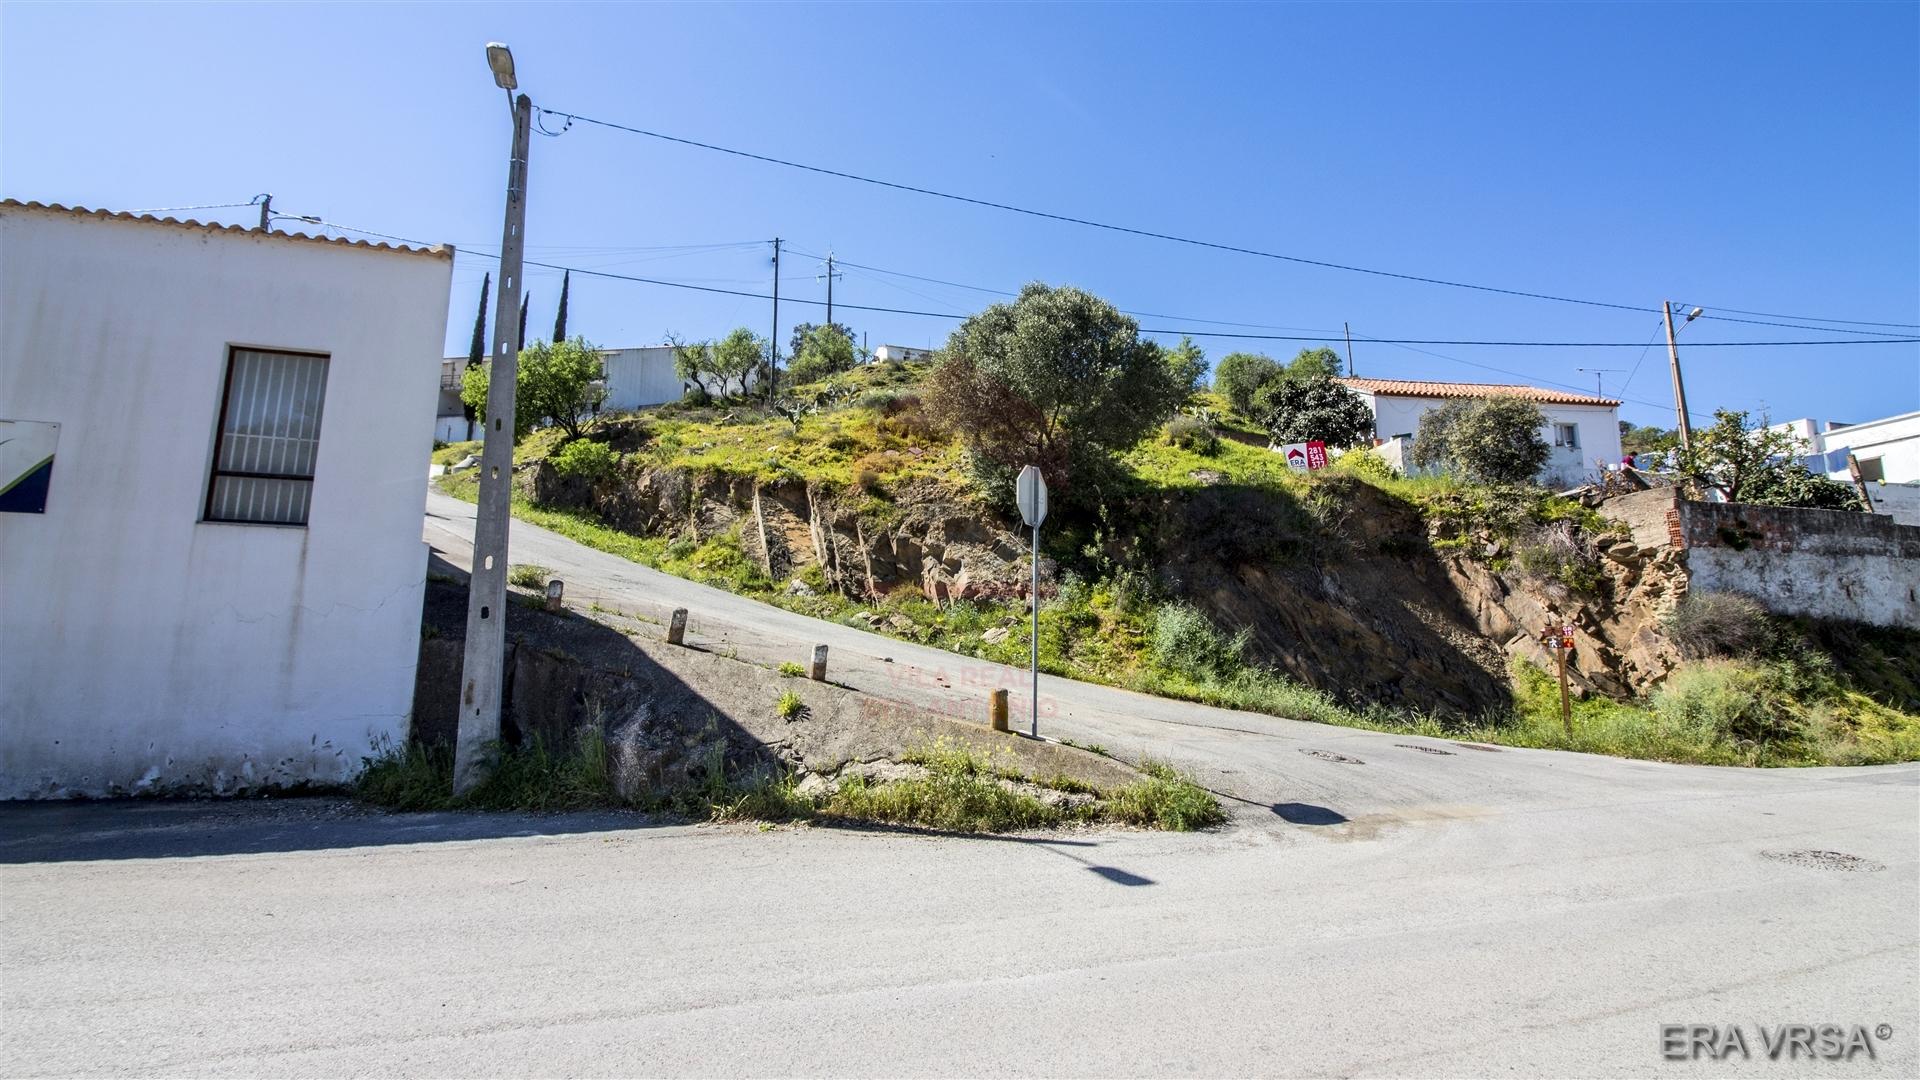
(1324, 264)
(202, 206)
(589, 272)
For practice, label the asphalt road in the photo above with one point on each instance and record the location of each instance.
(1406, 913)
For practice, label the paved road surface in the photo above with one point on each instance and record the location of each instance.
(1477, 913)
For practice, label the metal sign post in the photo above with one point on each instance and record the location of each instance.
(1030, 491)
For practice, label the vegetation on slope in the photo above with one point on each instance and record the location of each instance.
(867, 433)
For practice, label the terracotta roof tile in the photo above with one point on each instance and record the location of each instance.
(1419, 388)
(444, 251)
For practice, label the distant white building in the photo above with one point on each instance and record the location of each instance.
(634, 378)
(214, 580)
(1887, 449)
(640, 377)
(1583, 430)
(901, 354)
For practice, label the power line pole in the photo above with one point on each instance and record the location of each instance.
(1679, 386)
(830, 276)
(1349, 330)
(483, 668)
(773, 343)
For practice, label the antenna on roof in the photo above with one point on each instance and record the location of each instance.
(1598, 374)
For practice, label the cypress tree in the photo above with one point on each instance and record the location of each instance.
(477, 351)
(521, 341)
(560, 320)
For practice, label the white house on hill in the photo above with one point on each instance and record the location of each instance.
(634, 378)
(1887, 450)
(1583, 430)
(216, 582)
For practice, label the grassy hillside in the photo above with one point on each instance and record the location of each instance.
(1116, 620)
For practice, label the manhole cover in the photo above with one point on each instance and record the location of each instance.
(1824, 860)
(1328, 755)
(1480, 746)
(1424, 749)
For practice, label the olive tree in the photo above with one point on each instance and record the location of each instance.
(558, 383)
(1757, 464)
(1058, 379)
(1312, 407)
(1491, 440)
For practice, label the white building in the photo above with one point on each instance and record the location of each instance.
(901, 354)
(640, 377)
(1887, 449)
(222, 587)
(1583, 430)
(634, 378)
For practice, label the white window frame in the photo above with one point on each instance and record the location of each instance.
(1566, 434)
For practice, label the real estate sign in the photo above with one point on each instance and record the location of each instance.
(1305, 456)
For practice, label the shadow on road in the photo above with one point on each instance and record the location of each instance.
(1298, 813)
(158, 829)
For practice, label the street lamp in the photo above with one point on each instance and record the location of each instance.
(500, 59)
(482, 671)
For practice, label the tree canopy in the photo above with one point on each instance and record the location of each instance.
(1239, 376)
(723, 367)
(1492, 440)
(1056, 379)
(557, 383)
(821, 351)
(1311, 406)
(1756, 464)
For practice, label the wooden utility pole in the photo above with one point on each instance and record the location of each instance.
(1566, 703)
(1859, 482)
(1679, 386)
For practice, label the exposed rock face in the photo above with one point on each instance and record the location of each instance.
(1348, 595)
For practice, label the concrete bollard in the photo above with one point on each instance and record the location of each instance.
(556, 590)
(818, 672)
(997, 709)
(677, 627)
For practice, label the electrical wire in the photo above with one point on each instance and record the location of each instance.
(588, 272)
(1170, 237)
(202, 206)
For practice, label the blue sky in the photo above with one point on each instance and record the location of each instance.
(1762, 157)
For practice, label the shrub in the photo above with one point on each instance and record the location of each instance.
(1555, 554)
(1186, 641)
(583, 458)
(1188, 433)
(1719, 624)
(1725, 699)
(1165, 800)
(1367, 465)
(791, 670)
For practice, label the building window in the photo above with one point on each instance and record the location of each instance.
(1567, 435)
(1872, 469)
(269, 435)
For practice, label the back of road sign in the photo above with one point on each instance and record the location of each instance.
(1030, 491)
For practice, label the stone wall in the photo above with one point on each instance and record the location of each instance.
(1824, 563)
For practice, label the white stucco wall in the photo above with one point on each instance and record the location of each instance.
(1599, 433)
(640, 377)
(142, 648)
(1893, 440)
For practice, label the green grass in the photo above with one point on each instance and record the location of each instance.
(790, 706)
(789, 669)
(456, 452)
(528, 576)
(961, 792)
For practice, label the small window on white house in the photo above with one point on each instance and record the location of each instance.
(268, 438)
(1566, 435)
(1872, 469)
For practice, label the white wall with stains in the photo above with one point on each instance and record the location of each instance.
(141, 647)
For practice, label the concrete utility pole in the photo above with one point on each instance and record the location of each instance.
(266, 212)
(773, 343)
(831, 274)
(483, 670)
(1349, 330)
(1679, 386)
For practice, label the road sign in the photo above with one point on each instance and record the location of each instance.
(1030, 491)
